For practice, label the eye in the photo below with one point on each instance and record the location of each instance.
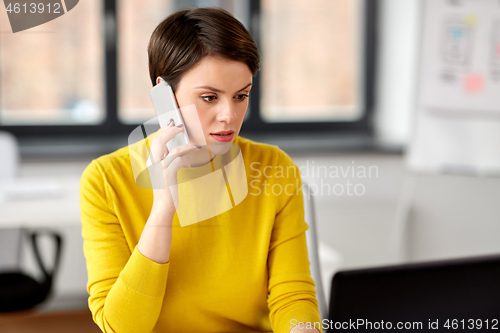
(209, 98)
(242, 97)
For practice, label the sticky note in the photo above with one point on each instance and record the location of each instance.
(473, 83)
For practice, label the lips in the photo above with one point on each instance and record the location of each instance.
(223, 136)
(223, 132)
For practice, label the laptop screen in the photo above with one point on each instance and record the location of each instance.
(454, 295)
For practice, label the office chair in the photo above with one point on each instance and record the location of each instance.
(312, 247)
(19, 291)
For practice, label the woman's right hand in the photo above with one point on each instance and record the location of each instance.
(156, 238)
(165, 166)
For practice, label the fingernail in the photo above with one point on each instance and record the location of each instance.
(170, 122)
(180, 125)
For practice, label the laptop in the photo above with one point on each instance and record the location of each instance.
(460, 295)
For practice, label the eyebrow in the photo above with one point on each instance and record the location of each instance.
(220, 91)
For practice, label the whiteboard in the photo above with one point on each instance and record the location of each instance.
(461, 56)
(457, 119)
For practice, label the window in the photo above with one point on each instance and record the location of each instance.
(52, 74)
(86, 72)
(311, 60)
(317, 65)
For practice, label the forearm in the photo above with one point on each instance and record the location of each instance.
(156, 238)
(135, 298)
(126, 288)
(292, 299)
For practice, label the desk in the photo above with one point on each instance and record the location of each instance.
(60, 209)
(33, 321)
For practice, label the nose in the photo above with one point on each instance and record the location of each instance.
(226, 113)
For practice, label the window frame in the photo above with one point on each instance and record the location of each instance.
(254, 123)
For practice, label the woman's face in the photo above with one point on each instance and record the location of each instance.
(219, 89)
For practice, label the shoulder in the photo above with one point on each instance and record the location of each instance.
(119, 165)
(109, 162)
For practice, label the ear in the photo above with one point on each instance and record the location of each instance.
(158, 79)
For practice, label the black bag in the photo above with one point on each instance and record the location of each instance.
(19, 291)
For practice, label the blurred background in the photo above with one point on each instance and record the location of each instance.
(390, 111)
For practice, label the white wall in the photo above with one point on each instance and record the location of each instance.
(450, 216)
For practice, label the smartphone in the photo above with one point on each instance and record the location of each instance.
(166, 108)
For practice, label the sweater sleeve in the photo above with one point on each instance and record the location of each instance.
(126, 289)
(292, 295)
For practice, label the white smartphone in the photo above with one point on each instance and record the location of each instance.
(166, 108)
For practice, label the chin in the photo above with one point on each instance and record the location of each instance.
(220, 148)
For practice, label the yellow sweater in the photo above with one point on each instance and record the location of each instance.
(245, 270)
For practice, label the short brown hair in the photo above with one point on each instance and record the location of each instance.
(187, 36)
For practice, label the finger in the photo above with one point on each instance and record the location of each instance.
(179, 151)
(178, 163)
(159, 145)
(171, 176)
(157, 171)
(171, 173)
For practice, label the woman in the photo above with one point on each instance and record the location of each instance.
(245, 270)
